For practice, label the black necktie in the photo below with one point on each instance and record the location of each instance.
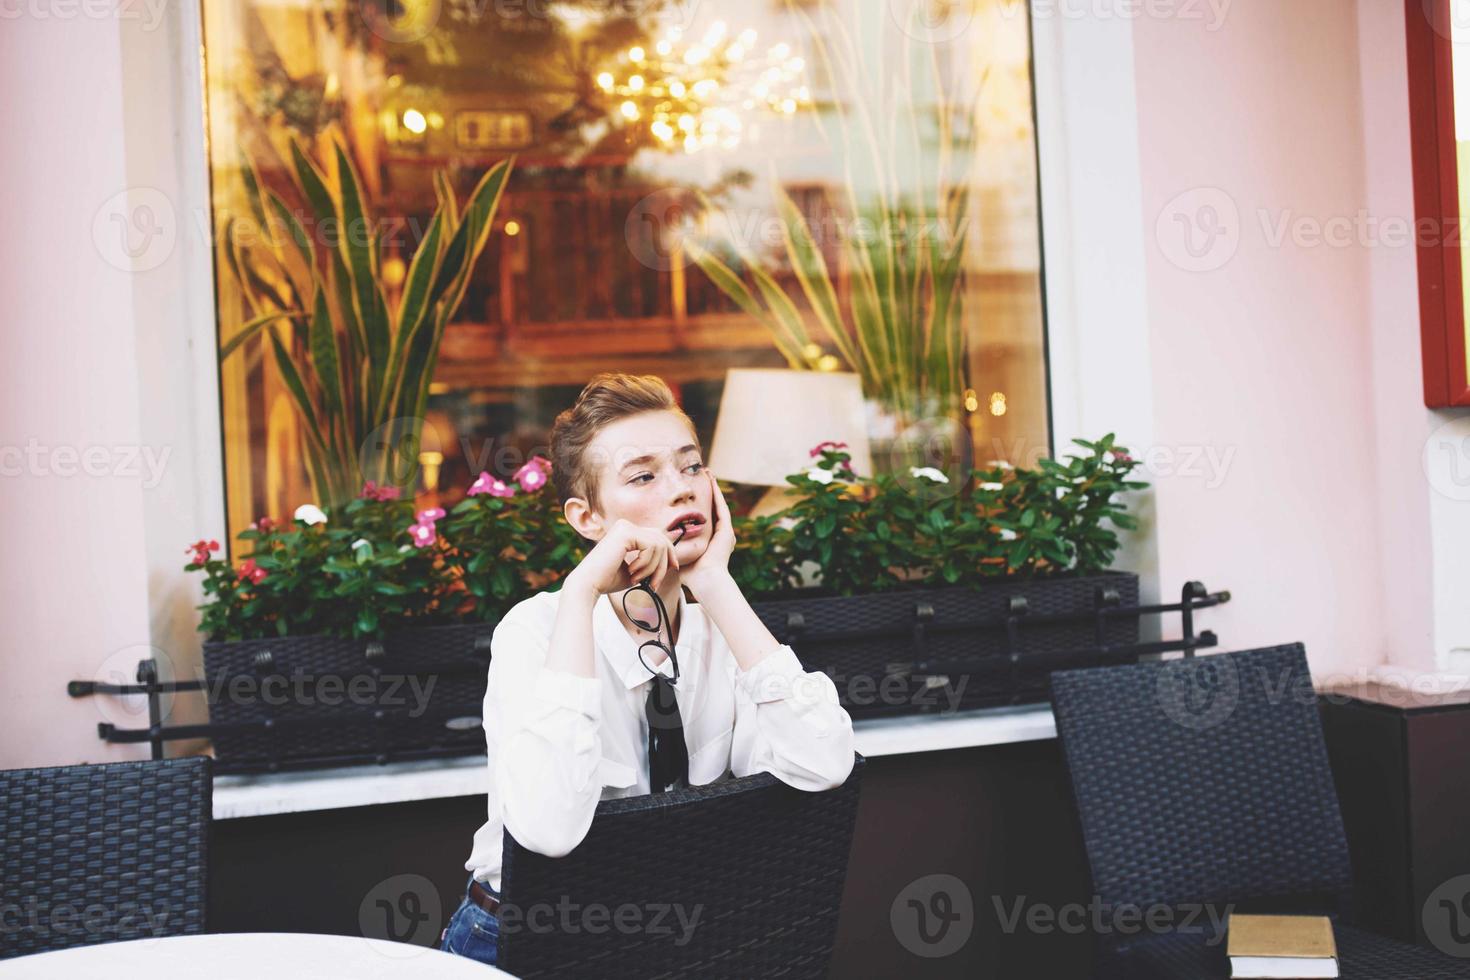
(668, 756)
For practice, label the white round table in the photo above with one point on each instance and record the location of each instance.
(250, 956)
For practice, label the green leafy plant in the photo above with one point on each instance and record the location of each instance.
(373, 564)
(510, 538)
(356, 572)
(901, 325)
(891, 532)
(357, 367)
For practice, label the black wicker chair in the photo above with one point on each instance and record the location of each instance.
(761, 866)
(103, 853)
(1203, 784)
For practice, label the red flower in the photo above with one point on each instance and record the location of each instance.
(829, 444)
(200, 550)
(264, 525)
(250, 571)
(371, 491)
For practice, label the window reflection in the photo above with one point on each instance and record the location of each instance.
(655, 143)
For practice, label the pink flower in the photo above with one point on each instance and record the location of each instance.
(486, 483)
(531, 476)
(422, 534)
(829, 444)
(264, 525)
(431, 515)
(250, 571)
(200, 550)
(371, 491)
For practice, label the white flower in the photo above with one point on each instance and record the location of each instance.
(819, 474)
(1000, 463)
(310, 514)
(362, 543)
(936, 475)
(992, 486)
(1006, 534)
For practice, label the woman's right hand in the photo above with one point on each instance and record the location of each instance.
(626, 555)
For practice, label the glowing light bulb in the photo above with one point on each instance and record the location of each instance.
(636, 83)
(512, 228)
(629, 110)
(635, 53)
(676, 89)
(663, 47)
(414, 121)
(605, 81)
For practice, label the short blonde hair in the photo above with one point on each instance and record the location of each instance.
(606, 398)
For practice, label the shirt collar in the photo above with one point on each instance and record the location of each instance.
(621, 650)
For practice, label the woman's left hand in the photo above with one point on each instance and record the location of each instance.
(714, 562)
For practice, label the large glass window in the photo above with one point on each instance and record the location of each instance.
(822, 186)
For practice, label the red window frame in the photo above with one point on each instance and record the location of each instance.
(1436, 202)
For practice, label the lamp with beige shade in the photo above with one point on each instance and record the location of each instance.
(770, 419)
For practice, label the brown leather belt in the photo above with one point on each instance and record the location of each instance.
(481, 896)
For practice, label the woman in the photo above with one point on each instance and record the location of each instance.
(579, 708)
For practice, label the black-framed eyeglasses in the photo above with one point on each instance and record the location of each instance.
(661, 619)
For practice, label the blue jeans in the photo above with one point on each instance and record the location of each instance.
(472, 931)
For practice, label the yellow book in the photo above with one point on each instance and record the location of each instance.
(1281, 946)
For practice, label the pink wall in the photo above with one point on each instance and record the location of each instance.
(1264, 349)
(73, 583)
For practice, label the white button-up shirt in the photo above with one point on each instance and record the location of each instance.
(558, 743)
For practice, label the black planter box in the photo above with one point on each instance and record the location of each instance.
(935, 650)
(301, 701)
(306, 701)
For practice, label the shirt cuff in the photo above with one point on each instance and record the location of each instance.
(775, 678)
(566, 690)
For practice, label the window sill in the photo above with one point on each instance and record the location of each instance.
(239, 796)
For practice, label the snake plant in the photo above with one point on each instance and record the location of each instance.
(357, 366)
